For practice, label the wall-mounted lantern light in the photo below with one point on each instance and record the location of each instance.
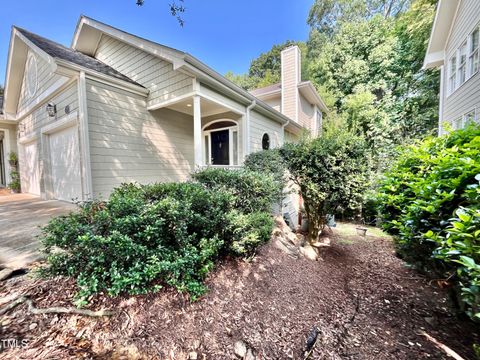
(51, 109)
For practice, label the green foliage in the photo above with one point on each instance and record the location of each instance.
(268, 162)
(15, 183)
(371, 63)
(331, 172)
(325, 15)
(145, 237)
(429, 184)
(266, 68)
(252, 191)
(12, 156)
(248, 231)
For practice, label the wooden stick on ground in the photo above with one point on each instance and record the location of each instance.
(53, 310)
(441, 346)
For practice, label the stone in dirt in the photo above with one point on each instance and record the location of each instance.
(240, 348)
(309, 252)
(249, 355)
(322, 242)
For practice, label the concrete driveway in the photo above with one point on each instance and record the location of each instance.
(21, 215)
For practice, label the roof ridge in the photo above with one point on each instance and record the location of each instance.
(68, 54)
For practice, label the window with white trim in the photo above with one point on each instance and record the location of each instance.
(465, 119)
(462, 64)
(452, 77)
(473, 58)
(469, 118)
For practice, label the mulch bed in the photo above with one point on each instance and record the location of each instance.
(364, 301)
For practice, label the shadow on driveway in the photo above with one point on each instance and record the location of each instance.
(21, 216)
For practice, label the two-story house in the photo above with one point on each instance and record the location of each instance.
(116, 108)
(454, 49)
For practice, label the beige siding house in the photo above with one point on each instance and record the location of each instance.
(116, 108)
(454, 48)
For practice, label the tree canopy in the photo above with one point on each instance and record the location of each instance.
(365, 58)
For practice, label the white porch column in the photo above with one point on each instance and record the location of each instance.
(197, 130)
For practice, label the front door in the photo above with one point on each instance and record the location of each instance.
(220, 147)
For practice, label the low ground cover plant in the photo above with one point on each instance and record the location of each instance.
(148, 236)
(429, 200)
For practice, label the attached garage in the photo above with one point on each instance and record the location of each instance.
(31, 171)
(65, 164)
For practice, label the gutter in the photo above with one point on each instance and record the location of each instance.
(245, 95)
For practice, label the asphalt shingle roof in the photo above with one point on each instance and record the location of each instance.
(59, 51)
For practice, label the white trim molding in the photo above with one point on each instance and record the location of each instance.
(87, 185)
(63, 123)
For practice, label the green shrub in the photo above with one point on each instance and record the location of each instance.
(167, 232)
(331, 172)
(248, 231)
(267, 162)
(429, 184)
(253, 191)
(145, 237)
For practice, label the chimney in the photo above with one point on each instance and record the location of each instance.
(290, 77)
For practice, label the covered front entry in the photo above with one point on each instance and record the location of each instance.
(65, 164)
(221, 143)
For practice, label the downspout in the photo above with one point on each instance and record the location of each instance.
(247, 127)
(283, 129)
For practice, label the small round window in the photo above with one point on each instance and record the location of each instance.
(265, 142)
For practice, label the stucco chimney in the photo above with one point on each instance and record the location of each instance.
(291, 75)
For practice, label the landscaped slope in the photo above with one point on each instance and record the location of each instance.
(362, 298)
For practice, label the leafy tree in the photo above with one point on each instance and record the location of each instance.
(325, 15)
(331, 172)
(266, 68)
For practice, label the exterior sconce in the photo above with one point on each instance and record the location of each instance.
(51, 109)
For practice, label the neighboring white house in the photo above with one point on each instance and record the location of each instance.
(454, 48)
(117, 108)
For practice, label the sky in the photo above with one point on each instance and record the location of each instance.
(225, 34)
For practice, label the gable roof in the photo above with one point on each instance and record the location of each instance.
(267, 90)
(58, 51)
(444, 19)
(306, 88)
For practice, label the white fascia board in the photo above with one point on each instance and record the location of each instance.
(163, 52)
(50, 60)
(434, 60)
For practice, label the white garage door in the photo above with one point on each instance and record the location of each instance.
(31, 175)
(65, 165)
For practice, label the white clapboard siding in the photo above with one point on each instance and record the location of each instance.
(306, 113)
(130, 144)
(44, 79)
(467, 97)
(153, 73)
(260, 125)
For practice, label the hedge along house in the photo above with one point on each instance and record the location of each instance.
(117, 108)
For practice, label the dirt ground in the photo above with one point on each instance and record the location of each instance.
(365, 302)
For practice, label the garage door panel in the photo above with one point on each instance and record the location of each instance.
(65, 165)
